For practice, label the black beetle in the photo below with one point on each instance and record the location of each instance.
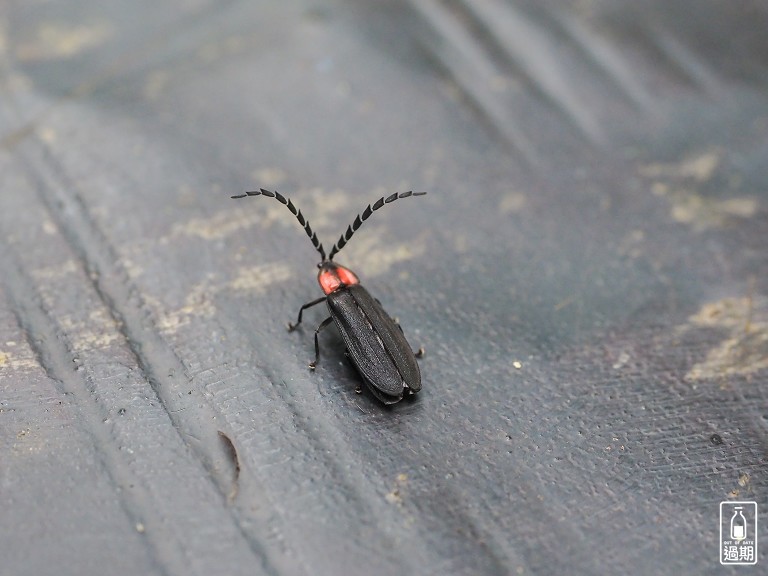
(374, 340)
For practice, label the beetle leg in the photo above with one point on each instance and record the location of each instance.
(323, 324)
(418, 353)
(292, 327)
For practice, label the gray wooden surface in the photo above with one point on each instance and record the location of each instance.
(588, 275)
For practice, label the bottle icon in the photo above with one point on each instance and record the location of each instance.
(738, 524)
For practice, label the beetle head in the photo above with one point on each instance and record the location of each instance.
(333, 276)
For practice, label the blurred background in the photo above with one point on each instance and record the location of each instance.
(588, 274)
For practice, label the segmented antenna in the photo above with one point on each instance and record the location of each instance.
(352, 228)
(299, 216)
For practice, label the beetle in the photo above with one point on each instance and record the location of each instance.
(375, 341)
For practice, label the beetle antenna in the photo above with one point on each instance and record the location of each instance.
(352, 228)
(299, 216)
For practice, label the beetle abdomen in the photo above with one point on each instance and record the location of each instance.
(375, 343)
